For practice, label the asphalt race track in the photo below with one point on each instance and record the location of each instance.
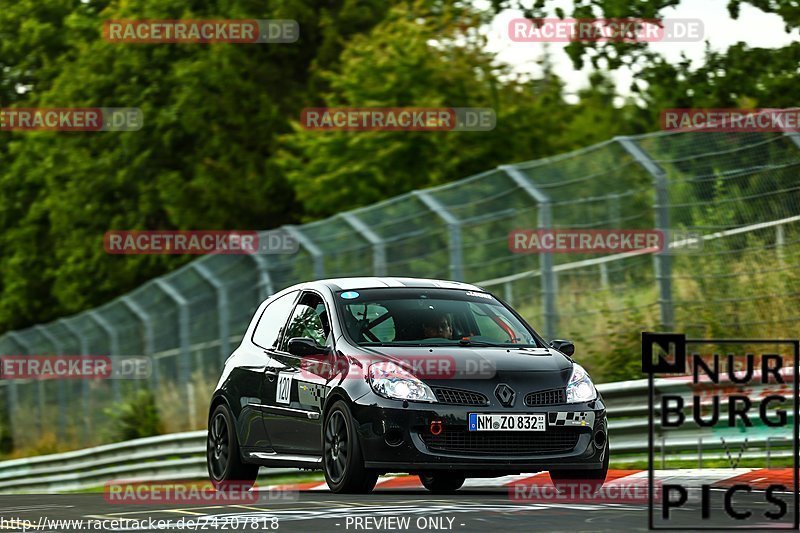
(470, 510)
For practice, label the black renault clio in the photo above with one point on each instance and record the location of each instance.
(364, 376)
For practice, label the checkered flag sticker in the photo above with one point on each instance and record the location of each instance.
(572, 418)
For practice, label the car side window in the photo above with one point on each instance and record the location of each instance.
(310, 319)
(273, 319)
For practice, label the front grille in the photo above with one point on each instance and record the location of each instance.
(554, 440)
(459, 397)
(548, 397)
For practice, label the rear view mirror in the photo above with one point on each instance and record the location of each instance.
(565, 347)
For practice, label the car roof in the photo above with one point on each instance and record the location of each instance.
(345, 284)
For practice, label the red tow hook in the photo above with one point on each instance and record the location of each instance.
(436, 427)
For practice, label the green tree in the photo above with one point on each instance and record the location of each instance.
(201, 161)
(419, 57)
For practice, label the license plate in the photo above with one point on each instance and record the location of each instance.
(522, 422)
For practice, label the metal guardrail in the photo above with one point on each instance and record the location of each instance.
(182, 455)
(164, 457)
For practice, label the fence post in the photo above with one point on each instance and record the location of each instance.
(544, 221)
(61, 390)
(223, 309)
(508, 293)
(794, 137)
(663, 259)
(12, 399)
(184, 363)
(603, 275)
(113, 339)
(11, 392)
(264, 279)
(311, 247)
(780, 241)
(454, 227)
(615, 219)
(378, 244)
(25, 345)
(84, 349)
(147, 323)
(614, 209)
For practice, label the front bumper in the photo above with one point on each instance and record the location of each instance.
(396, 436)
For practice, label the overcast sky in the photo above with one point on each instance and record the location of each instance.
(756, 28)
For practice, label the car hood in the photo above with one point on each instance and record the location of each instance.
(465, 362)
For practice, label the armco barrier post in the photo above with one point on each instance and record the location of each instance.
(663, 259)
(454, 228)
(61, 389)
(184, 354)
(544, 221)
(113, 345)
(223, 309)
(375, 240)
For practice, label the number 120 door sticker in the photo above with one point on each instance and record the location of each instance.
(283, 392)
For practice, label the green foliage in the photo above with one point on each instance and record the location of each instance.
(6, 435)
(623, 361)
(135, 417)
(212, 114)
(221, 147)
(432, 58)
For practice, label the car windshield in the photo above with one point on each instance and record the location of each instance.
(431, 317)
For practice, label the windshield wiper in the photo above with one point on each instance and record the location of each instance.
(393, 344)
(466, 341)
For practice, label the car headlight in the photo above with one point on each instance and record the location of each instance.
(391, 381)
(580, 387)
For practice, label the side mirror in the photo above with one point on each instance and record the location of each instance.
(305, 347)
(565, 347)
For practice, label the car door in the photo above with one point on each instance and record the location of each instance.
(295, 386)
(266, 338)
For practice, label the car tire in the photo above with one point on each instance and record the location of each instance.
(593, 478)
(225, 466)
(442, 482)
(342, 460)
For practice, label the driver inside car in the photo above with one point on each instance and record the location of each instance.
(437, 325)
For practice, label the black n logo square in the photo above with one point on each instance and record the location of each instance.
(663, 353)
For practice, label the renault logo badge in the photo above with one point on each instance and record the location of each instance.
(505, 394)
